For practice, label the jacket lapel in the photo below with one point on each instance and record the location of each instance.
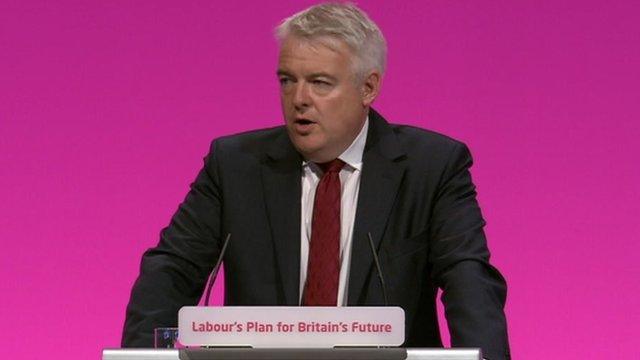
(382, 173)
(281, 173)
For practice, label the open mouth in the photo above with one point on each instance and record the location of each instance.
(304, 122)
(304, 126)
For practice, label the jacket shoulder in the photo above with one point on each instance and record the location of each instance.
(415, 139)
(249, 140)
(246, 146)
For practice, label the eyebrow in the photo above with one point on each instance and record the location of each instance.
(313, 75)
(322, 74)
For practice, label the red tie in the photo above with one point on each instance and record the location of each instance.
(323, 270)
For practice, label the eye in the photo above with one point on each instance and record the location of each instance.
(284, 81)
(321, 82)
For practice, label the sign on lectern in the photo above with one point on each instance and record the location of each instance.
(291, 327)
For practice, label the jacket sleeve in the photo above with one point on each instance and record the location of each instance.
(474, 292)
(173, 274)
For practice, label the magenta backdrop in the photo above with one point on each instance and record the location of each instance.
(107, 108)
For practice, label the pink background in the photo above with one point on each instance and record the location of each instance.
(107, 108)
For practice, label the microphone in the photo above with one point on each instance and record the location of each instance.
(378, 269)
(214, 272)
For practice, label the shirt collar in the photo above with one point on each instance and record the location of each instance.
(352, 156)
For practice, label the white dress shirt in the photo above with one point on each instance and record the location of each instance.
(350, 185)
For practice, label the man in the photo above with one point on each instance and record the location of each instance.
(301, 201)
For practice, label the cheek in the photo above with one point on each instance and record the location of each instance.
(343, 110)
(348, 101)
(284, 100)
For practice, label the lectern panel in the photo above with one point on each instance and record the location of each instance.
(174, 354)
(295, 354)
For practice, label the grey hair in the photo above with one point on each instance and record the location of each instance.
(343, 21)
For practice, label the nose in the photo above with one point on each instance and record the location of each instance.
(301, 96)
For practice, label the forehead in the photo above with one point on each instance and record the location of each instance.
(316, 54)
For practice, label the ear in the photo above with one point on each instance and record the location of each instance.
(371, 88)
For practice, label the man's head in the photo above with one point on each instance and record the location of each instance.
(332, 57)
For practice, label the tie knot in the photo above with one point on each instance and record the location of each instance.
(332, 166)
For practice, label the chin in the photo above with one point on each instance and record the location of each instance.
(309, 153)
(307, 146)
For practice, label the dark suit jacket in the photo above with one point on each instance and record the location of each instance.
(416, 199)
